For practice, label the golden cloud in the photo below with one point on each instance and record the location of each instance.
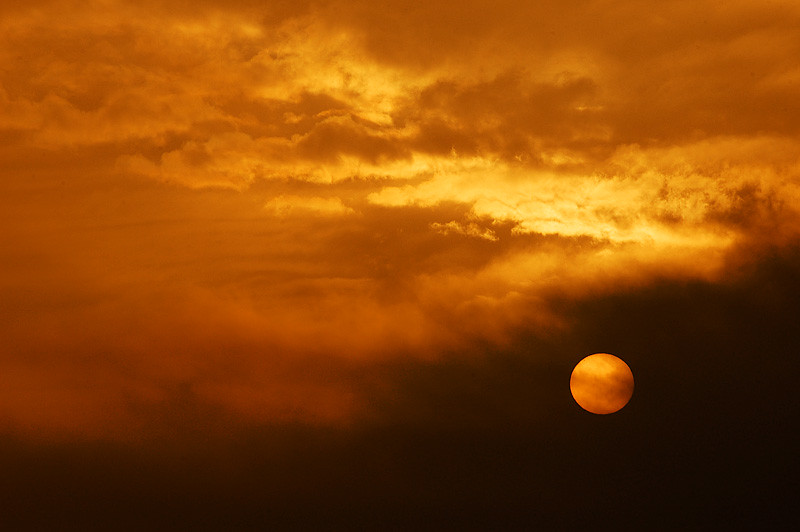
(304, 182)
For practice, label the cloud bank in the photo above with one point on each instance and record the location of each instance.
(243, 205)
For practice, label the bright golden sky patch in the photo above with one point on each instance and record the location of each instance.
(354, 181)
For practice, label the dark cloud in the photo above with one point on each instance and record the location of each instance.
(507, 116)
(483, 438)
(332, 139)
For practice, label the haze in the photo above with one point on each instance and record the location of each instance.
(222, 219)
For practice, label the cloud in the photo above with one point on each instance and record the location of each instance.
(470, 229)
(302, 189)
(242, 93)
(256, 255)
(288, 205)
(488, 433)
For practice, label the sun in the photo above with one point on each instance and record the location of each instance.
(601, 383)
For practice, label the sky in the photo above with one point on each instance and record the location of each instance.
(329, 264)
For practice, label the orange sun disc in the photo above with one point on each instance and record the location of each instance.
(601, 383)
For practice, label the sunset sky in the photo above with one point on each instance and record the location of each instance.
(329, 264)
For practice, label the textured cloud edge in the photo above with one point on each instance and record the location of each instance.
(215, 202)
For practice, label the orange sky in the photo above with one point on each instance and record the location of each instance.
(246, 203)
